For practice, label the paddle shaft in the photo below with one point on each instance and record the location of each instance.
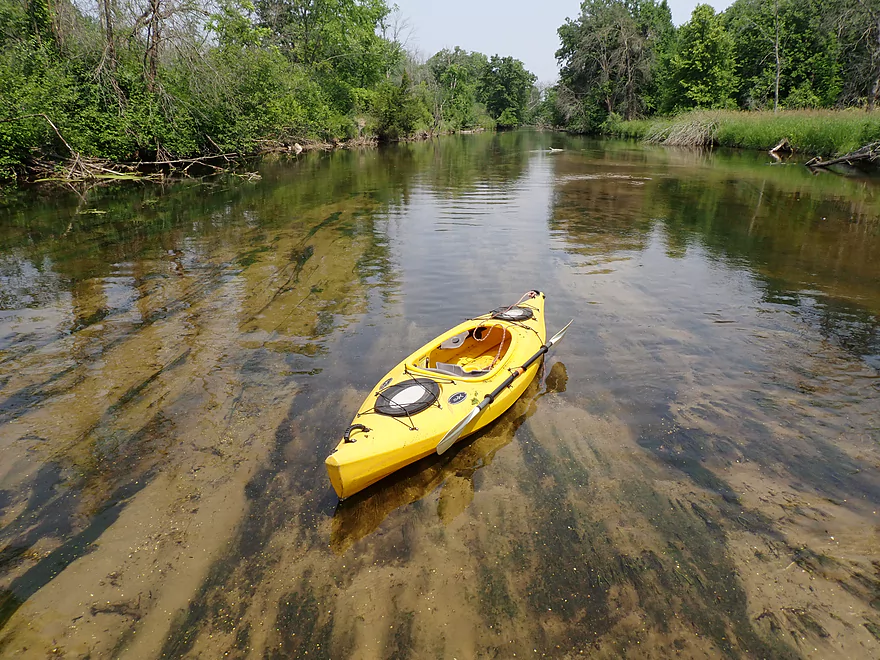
(455, 432)
(489, 398)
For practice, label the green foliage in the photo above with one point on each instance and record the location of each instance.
(463, 90)
(623, 57)
(221, 94)
(702, 65)
(809, 66)
(611, 59)
(857, 25)
(547, 112)
(508, 118)
(278, 70)
(398, 110)
(504, 87)
(456, 74)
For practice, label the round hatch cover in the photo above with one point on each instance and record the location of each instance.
(512, 314)
(407, 397)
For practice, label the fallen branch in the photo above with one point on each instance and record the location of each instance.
(782, 146)
(99, 171)
(868, 153)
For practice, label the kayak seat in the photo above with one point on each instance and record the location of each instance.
(456, 370)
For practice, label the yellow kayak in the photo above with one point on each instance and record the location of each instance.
(414, 406)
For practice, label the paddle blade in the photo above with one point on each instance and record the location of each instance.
(559, 335)
(455, 432)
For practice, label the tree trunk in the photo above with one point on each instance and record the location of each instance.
(875, 92)
(108, 33)
(778, 63)
(629, 95)
(153, 43)
(875, 20)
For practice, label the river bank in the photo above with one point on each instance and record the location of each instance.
(807, 132)
(78, 169)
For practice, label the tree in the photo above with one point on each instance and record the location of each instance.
(547, 112)
(702, 64)
(858, 27)
(398, 109)
(609, 58)
(504, 86)
(783, 53)
(457, 74)
(335, 38)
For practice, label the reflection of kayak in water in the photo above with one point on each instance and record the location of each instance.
(433, 390)
(359, 516)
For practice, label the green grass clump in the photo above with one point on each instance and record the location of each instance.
(635, 129)
(815, 132)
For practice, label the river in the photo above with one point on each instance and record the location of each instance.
(695, 473)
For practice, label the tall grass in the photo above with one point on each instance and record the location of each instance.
(815, 132)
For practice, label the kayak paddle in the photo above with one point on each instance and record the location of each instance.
(455, 432)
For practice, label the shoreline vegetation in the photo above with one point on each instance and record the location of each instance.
(94, 89)
(77, 169)
(818, 133)
(761, 74)
(102, 90)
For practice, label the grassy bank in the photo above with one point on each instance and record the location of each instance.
(813, 132)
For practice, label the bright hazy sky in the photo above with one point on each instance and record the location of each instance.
(525, 29)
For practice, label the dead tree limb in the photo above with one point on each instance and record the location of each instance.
(869, 153)
(782, 146)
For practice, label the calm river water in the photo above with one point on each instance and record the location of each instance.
(696, 472)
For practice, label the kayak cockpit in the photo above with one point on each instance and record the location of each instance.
(472, 353)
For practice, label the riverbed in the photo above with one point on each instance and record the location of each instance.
(694, 474)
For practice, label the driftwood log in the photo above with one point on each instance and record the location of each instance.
(783, 146)
(867, 154)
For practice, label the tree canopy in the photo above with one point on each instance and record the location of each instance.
(625, 58)
(150, 79)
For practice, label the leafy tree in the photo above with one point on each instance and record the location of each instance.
(783, 54)
(702, 64)
(398, 109)
(504, 86)
(857, 23)
(547, 112)
(609, 59)
(457, 74)
(336, 40)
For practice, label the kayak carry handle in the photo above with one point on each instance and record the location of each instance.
(354, 427)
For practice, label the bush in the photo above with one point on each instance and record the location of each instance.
(398, 110)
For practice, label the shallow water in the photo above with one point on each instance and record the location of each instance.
(696, 472)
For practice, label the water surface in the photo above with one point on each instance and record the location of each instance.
(696, 472)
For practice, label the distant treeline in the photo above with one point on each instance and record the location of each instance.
(150, 80)
(625, 59)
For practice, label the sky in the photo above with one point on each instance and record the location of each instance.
(525, 29)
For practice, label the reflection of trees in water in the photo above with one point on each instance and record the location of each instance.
(850, 326)
(782, 234)
(600, 213)
(463, 163)
(812, 248)
(780, 225)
